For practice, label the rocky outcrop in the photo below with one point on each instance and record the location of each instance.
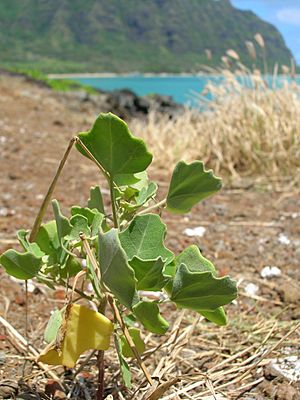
(124, 103)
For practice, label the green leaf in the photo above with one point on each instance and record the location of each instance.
(21, 265)
(201, 290)
(114, 147)
(116, 273)
(148, 314)
(70, 268)
(47, 239)
(96, 200)
(84, 212)
(79, 225)
(137, 340)
(217, 316)
(148, 273)
(146, 193)
(94, 218)
(27, 246)
(53, 326)
(190, 184)
(124, 367)
(144, 238)
(194, 260)
(63, 225)
(127, 179)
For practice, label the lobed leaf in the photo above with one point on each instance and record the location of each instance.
(21, 265)
(190, 183)
(148, 273)
(194, 260)
(27, 246)
(201, 290)
(144, 239)
(114, 147)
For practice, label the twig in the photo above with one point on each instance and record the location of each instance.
(48, 196)
(131, 344)
(154, 207)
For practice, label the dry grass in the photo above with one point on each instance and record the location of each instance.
(245, 131)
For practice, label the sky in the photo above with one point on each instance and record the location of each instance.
(284, 14)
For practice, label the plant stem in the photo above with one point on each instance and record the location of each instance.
(83, 146)
(100, 360)
(131, 344)
(113, 203)
(43, 208)
(157, 205)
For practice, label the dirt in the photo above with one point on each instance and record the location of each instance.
(245, 231)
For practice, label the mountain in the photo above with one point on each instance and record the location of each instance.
(129, 35)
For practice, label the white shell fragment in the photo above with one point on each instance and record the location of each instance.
(283, 239)
(197, 231)
(251, 289)
(270, 272)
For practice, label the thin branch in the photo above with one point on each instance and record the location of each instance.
(131, 344)
(83, 146)
(154, 207)
(43, 208)
(113, 203)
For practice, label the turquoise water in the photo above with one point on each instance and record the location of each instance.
(183, 89)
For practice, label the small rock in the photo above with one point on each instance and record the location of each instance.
(290, 292)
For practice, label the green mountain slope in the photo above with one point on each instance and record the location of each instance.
(128, 35)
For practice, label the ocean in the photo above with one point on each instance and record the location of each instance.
(183, 89)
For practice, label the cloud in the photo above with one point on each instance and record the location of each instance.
(289, 16)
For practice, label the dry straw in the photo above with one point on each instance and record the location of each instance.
(250, 128)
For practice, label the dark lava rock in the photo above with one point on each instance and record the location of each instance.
(124, 103)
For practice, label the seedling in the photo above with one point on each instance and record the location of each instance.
(120, 254)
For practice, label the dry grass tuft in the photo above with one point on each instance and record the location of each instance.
(251, 128)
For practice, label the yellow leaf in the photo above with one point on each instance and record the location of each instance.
(82, 329)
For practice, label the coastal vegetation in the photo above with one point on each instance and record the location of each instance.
(127, 36)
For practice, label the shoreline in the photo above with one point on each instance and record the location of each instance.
(135, 75)
(123, 75)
